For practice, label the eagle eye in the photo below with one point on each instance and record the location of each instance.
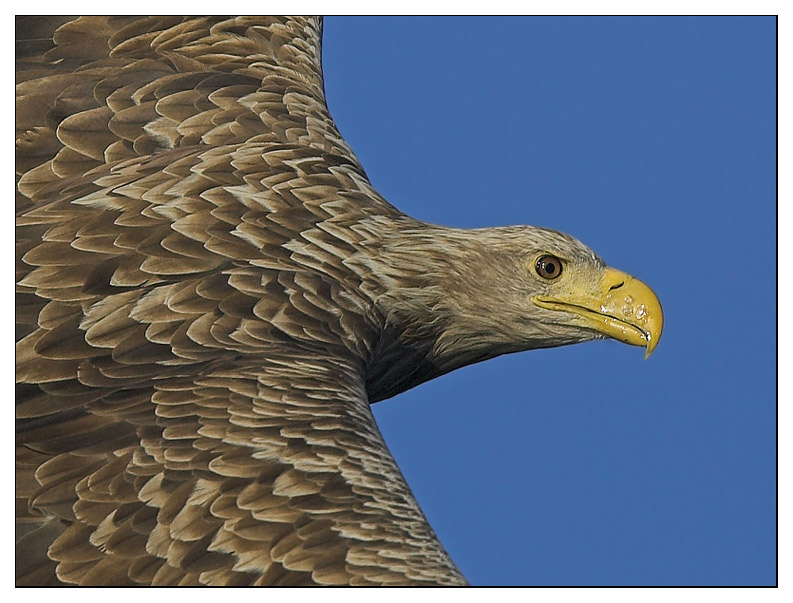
(548, 267)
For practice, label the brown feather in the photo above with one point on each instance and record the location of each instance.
(211, 295)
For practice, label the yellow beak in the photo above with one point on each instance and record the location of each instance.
(623, 308)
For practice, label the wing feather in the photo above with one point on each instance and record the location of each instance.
(191, 402)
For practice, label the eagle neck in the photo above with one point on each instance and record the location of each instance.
(436, 289)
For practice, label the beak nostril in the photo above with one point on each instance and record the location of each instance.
(616, 286)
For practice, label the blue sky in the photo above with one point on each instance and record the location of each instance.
(653, 140)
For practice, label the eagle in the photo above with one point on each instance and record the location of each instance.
(210, 295)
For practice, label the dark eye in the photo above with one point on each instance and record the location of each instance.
(549, 267)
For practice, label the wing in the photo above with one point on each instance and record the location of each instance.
(225, 478)
(190, 399)
(98, 90)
